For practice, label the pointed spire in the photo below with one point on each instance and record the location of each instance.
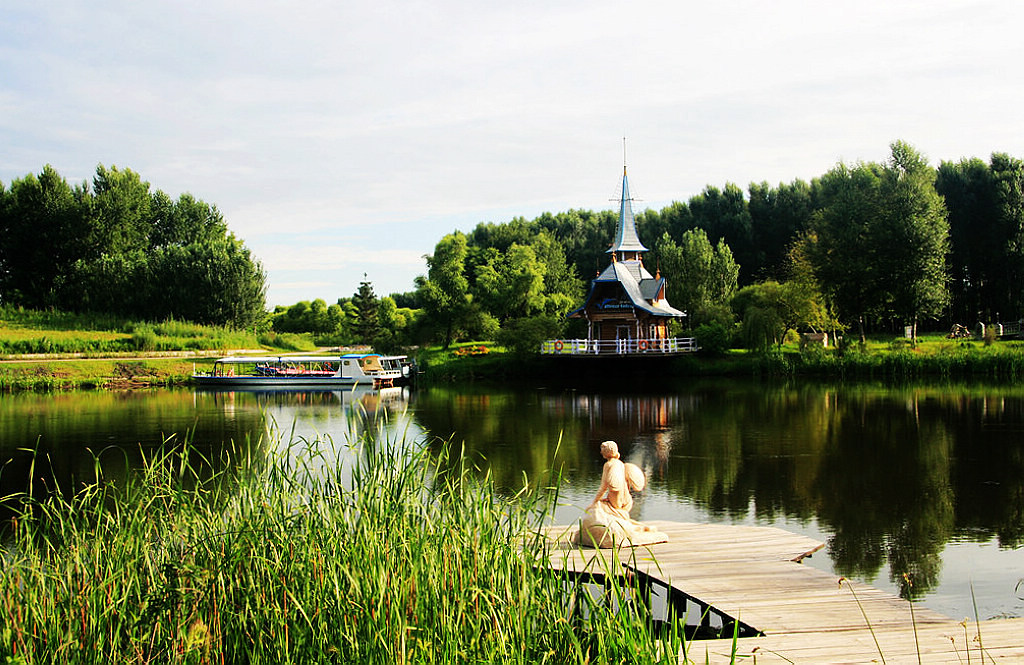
(626, 239)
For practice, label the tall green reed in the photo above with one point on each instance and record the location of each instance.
(378, 550)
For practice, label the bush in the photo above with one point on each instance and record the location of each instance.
(524, 336)
(288, 341)
(144, 338)
(714, 338)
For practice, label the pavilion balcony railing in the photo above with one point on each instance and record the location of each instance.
(619, 347)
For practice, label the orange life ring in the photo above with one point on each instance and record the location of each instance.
(558, 345)
(643, 345)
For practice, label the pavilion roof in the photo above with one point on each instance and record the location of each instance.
(638, 284)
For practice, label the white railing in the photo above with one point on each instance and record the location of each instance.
(1008, 329)
(606, 347)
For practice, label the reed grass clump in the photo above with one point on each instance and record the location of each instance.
(381, 551)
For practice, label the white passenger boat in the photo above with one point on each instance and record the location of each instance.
(305, 371)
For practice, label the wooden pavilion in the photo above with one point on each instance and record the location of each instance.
(626, 309)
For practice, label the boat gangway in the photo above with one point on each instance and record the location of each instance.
(619, 347)
(787, 611)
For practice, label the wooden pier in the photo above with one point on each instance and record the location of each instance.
(799, 614)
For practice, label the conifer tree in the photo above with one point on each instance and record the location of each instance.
(367, 325)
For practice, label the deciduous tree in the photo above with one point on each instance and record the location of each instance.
(700, 277)
(444, 291)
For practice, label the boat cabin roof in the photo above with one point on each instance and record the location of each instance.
(276, 360)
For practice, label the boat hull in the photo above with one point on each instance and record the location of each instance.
(326, 382)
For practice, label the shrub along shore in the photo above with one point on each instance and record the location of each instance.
(397, 553)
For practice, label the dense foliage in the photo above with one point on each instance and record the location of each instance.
(877, 246)
(120, 248)
(873, 245)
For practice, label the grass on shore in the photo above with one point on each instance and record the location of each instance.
(882, 357)
(52, 332)
(898, 359)
(46, 375)
(396, 554)
(62, 333)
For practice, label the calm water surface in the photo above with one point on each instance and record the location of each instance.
(926, 480)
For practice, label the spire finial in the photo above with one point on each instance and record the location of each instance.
(625, 234)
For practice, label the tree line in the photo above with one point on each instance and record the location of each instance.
(118, 247)
(869, 245)
(363, 318)
(874, 246)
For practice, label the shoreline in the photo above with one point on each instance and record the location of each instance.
(1003, 361)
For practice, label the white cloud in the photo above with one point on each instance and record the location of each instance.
(386, 125)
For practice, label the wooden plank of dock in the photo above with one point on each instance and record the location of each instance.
(753, 574)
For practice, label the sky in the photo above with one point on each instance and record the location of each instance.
(343, 139)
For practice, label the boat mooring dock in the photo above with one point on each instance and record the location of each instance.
(787, 612)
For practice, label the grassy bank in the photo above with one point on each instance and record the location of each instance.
(51, 332)
(94, 373)
(399, 554)
(62, 333)
(51, 350)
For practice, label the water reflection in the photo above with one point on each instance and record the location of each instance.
(891, 475)
(293, 417)
(62, 440)
(924, 480)
(66, 440)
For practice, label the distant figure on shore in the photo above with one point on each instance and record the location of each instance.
(607, 522)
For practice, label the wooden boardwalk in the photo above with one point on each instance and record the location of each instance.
(804, 615)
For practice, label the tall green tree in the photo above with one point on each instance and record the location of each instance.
(845, 251)
(444, 291)
(121, 219)
(778, 216)
(701, 277)
(968, 189)
(563, 289)
(42, 227)
(724, 215)
(512, 283)
(881, 239)
(913, 239)
(367, 325)
(1008, 282)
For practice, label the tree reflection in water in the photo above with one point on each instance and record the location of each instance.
(893, 478)
(892, 475)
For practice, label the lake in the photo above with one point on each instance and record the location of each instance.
(925, 480)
